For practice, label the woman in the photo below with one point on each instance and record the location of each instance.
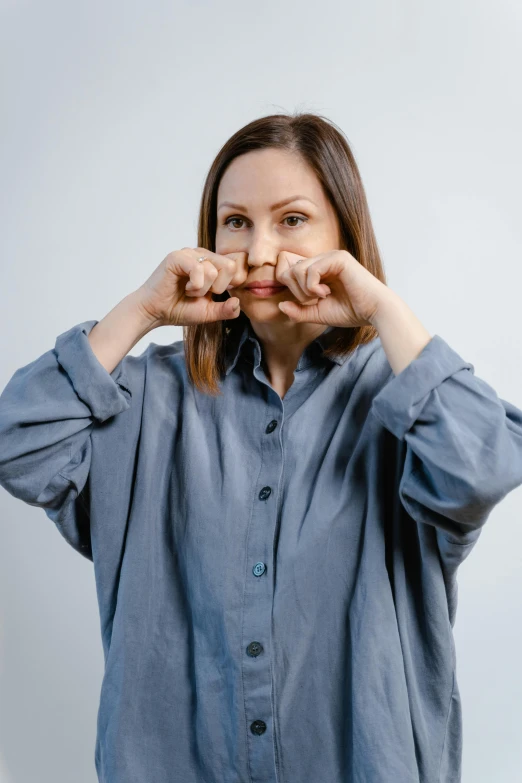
(276, 506)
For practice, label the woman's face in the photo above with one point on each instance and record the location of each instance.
(254, 183)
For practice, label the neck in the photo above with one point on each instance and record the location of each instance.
(282, 345)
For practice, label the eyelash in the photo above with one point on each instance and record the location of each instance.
(299, 217)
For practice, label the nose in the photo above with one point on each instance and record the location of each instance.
(262, 252)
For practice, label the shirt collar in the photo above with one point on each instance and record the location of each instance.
(246, 340)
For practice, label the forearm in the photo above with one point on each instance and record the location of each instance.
(403, 337)
(113, 337)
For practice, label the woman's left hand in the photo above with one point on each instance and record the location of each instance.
(332, 288)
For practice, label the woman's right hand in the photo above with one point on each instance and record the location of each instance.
(166, 300)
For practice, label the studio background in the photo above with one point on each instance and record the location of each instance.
(112, 114)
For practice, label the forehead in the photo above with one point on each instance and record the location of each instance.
(269, 175)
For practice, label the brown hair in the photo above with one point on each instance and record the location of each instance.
(326, 150)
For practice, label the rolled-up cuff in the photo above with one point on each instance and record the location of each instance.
(104, 393)
(400, 402)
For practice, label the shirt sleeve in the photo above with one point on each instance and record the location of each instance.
(47, 412)
(463, 443)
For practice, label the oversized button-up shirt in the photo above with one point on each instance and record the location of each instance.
(276, 578)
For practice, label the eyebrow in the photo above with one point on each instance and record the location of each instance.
(273, 208)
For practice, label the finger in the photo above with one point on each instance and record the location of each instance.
(312, 282)
(226, 266)
(226, 270)
(230, 267)
(326, 265)
(284, 275)
(223, 311)
(309, 295)
(285, 261)
(199, 276)
(202, 275)
(240, 274)
(291, 278)
(302, 313)
(283, 272)
(308, 276)
(291, 270)
(302, 276)
(184, 262)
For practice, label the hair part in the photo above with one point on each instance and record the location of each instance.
(326, 150)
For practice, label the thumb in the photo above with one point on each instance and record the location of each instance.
(221, 311)
(296, 312)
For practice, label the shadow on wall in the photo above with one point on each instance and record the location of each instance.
(5, 776)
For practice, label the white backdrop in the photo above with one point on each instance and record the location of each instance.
(112, 113)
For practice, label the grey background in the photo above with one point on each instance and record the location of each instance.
(111, 115)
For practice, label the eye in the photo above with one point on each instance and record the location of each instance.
(234, 219)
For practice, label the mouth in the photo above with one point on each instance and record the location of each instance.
(265, 288)
(267, 283)
(264, 284)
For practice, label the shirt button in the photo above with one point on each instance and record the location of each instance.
(258, 727)
(254, 649)
(265, 493)
(259, 569)
(271, 427)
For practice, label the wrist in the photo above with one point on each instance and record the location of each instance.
(145, 322)
(388, 299)
(403, 336)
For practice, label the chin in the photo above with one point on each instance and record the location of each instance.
(264, 311)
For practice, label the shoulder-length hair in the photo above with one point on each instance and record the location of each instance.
(324, 147)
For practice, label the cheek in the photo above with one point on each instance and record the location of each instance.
(223, 245)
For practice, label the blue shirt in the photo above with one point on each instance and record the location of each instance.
(276, 578)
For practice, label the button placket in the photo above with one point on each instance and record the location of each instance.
(258, 602)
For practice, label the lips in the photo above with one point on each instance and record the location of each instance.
(264, 284)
